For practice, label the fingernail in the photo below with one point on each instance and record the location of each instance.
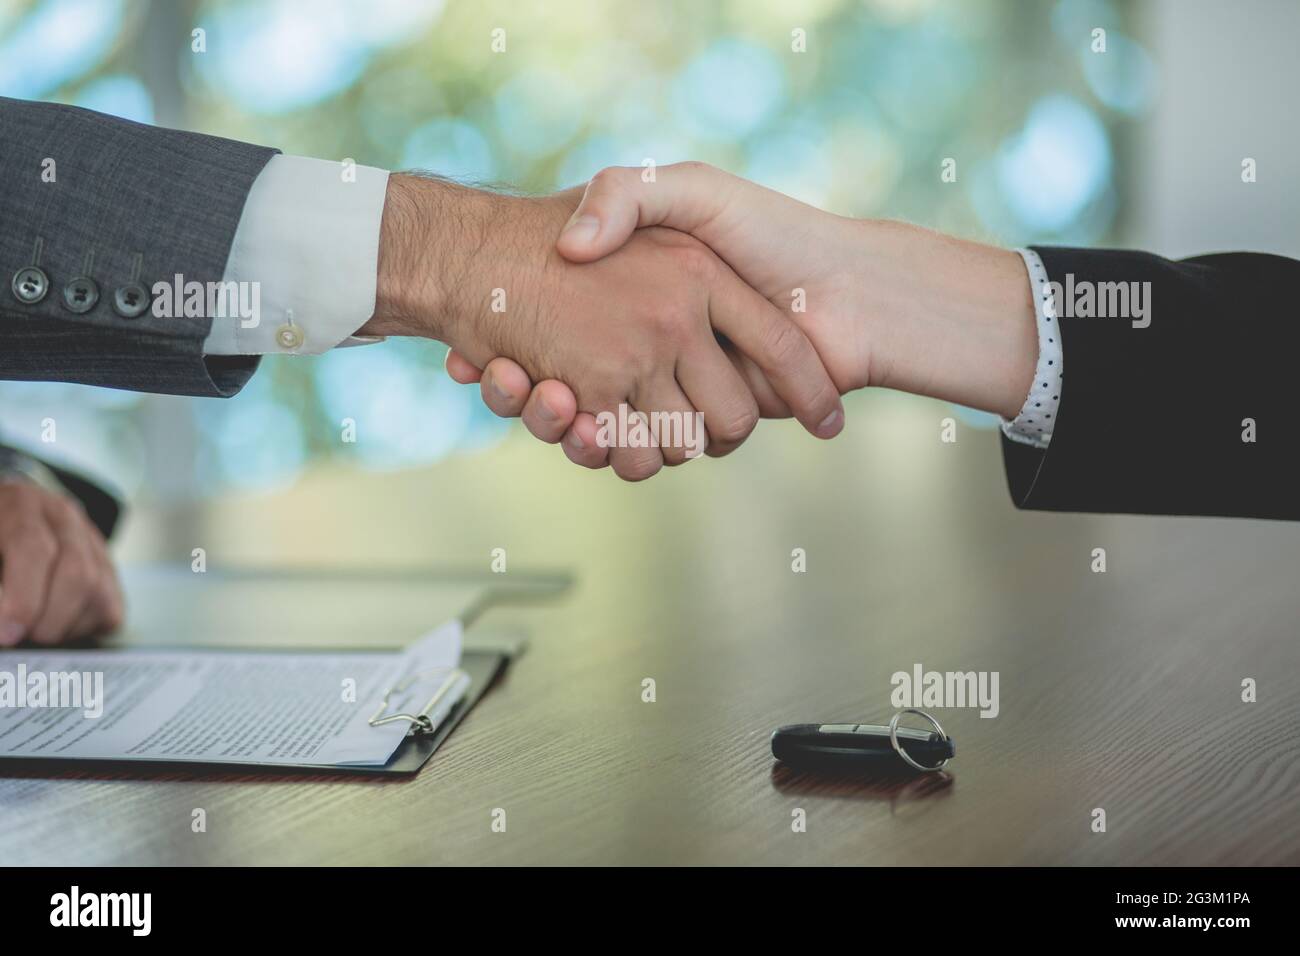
(501, 393)
(831, 424)
(576, 442)
(545, 412)
(582, 229)
(11, 632)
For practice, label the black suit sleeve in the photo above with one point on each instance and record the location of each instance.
(1155, 419)
(101, 507)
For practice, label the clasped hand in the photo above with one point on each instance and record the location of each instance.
(696, 292)
(661, 324)
(726, 236)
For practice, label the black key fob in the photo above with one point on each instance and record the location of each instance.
(846, 748)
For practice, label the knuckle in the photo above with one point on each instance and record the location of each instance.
(675, 322)
(782, 343)
(637, 467)
(34, 541)
(736, 426)
(673, 457)
(695, 260)
(611, 177)
(693, 167)
(673, 453)
(77, 565)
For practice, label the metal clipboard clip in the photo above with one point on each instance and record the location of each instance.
(449, 693)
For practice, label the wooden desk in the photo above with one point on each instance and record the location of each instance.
(1118, 690)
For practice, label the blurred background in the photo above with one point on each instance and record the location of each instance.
(1053, 139)
(914, 551)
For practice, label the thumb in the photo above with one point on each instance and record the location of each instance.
(618, 201)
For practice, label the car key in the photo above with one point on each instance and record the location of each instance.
(861, 747)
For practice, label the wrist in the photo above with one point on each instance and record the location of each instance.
(958, 316)
(428, 238)
(454, 262)
(398, 302)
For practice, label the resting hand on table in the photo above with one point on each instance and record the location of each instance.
(883, 303)
(57, 581)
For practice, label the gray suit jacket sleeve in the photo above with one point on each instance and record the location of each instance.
(122, 197)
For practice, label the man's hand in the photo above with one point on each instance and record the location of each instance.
(57, 582)
(480, 272)
(884, 303)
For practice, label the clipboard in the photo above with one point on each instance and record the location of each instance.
(484, 658)
(480, 668)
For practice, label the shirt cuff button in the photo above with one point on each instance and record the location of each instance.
(289, 337)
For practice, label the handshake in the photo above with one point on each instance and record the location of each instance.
(652, 318)
(641, 321)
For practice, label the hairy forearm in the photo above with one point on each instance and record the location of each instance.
(429, 230)
(466, 267)
(956, 317)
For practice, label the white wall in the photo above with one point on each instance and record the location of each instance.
(1229, 88)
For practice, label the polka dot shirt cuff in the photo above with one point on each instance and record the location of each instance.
(1037, 418)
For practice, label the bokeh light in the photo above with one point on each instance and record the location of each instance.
(1123, 77)
(858, 122)
(452, 148)
(1057, 165)
(729, 91)
(118, 95)
(56, 43)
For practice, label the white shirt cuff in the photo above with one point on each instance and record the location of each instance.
(1037, 418)
(306, 256)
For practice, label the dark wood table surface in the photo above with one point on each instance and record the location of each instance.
(1119, 690)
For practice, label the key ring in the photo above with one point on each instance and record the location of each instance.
(893, 739)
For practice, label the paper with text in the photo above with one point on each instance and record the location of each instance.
(214, 706)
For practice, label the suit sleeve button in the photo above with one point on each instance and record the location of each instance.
(130, 300)
(30, 285)
(80, 295)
